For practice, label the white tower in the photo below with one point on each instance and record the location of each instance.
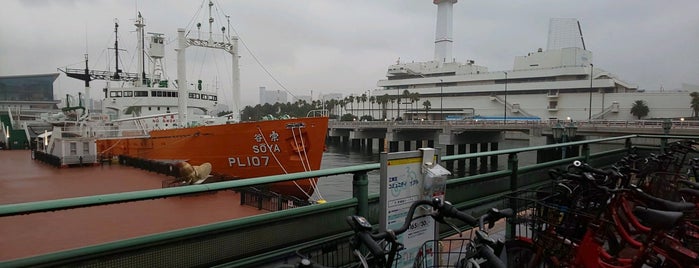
(443, 32)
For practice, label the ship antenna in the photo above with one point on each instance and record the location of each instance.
(143, 50)
(211, 21)
(228, 36)
(116, 48)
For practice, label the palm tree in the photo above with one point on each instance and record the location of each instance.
(363, 99)
(414, 98)
(639, 109)
(406, 95)
(694, 103)
(372, 100)
(427, 104)
(343, 104)
(350, 100)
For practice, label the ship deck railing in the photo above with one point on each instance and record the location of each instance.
(274, 237)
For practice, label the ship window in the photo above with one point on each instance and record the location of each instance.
(204, 97)
(128, 93)
(168, 94)
(213, 98)
(141, 93)
(114, 94)
(73, 148)
(195, 95)
(174, 94)
(553, 104)
(158, 108)
(86, 148)
(149, 108)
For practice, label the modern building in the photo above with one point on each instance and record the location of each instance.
(24, 97)
(560, 82)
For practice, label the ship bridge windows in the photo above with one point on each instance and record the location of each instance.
(141, 93)
(128, 93)
(115, 94)
(204, 97)
(195, 96)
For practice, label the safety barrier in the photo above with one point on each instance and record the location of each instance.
(274, 237)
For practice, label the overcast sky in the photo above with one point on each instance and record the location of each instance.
(334, 46)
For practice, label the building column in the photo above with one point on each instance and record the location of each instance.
(493, 158)
(450, 151)
(473, 162)
(461, 164)
(484, 159)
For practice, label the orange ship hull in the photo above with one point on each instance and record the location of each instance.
(240, 150)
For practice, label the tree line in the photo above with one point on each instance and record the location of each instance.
(343, 109)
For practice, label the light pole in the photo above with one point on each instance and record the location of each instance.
(441, 99)
(563, 134)
(504, 117)
(589, 110)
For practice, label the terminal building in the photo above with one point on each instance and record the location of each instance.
(23, 97)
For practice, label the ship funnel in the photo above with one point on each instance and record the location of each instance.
(443, 32)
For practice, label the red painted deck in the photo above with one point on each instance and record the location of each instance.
(26, 180)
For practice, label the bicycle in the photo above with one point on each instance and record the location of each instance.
(382, 248)
(549, 222)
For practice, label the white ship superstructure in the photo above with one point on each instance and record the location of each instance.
(147, 98)
(560, 82)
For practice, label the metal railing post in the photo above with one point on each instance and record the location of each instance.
(360, 190)
(586, 152)
(512, 166)
(628, 145)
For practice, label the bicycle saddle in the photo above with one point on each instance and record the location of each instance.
(657, 218)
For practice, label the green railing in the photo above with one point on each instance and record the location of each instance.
(265, 238)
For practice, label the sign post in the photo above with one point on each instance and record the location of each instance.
(405, 178)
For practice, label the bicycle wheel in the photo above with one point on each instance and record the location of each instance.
(520, 253)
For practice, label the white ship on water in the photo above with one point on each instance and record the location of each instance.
(560, 82)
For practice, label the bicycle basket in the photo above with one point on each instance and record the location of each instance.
(442, 253)
(336, 253)
(554, 223)
(663, 185)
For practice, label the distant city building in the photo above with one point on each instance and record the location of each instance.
(306, 98)
(331, 96)
(272, 96)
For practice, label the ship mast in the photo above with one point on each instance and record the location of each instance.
(116, 49)
(140, 48)
(228, 44)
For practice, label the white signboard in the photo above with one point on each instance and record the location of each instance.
(403, 181)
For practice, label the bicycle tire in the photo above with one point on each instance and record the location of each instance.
(520, 252)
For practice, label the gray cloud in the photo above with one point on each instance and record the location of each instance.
(346, 46)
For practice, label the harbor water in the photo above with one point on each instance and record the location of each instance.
(340, 186)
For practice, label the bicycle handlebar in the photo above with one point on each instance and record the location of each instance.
(443, 209)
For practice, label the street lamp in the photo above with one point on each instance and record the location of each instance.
(563, 134)
(441, 98)
(589, 110)
(504, 120)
